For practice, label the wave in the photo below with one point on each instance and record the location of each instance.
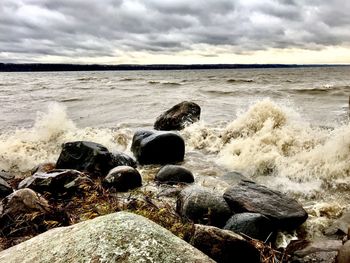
(222, 92)
(23, 149)
(272, 141)
(239, 80)
(166, 83)
(70, 99)
(325, 89)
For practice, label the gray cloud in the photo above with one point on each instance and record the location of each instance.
(31, 29)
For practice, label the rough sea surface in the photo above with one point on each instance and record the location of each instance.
(285, 128)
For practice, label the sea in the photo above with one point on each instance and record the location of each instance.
(287, 129)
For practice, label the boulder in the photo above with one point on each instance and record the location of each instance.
(233, 178)
(158, 147)
(119, 237)
(223, 245)
(85, 156)
(5, 188)
(285, 212)
(173, 174)
(122, 159)
(178, 117)
(254, 225)
(123, 178)
(43, 168)
(53, 181)
(203, 206)
(23, 201)
(344, 253)
(321, 251)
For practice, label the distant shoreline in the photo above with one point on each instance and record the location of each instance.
(37, 67)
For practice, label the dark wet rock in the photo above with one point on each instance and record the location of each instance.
(122, 159)
(119, 237)
(344, 253)
(85, 156)
(320, 251)
(178, 117)
(341, 225)
(23, 201)
(5, 188)
(173, 174)
(43, 168)
(123, 178)
(285, 212)
(233, 178)
(53, 181)
(203, 206)
(254, 225)
(223, 245)
(158, 147)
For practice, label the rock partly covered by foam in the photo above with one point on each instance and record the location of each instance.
(158, 147)
(344, 253)
(54, 181)
(254, 225)
(5, 188)
(173, 174)
(119, 237)
(223, 245)
(123, 178)
(203, 206)
(178, 117)
(285, 212)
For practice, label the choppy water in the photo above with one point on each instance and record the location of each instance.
(285, 128)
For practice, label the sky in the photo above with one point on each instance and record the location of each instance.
(175, 31)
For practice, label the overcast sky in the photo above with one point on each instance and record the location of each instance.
(175, 31)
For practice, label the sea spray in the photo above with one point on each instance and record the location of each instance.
(23, 149)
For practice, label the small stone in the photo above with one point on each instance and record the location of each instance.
(43, 168)
(173, 174)
(123, 178)
(203, 206)
(178, 117)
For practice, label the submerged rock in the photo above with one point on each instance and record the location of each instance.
(203, 206)
(341, 225)
(85, 156)
(178, 117)
(285, 212)
(223, 245)
(158, 147)
(5, 188)
(6, 175)
(173, 174)
(254, 225)
(119, 237)
(53, 181)
(123, 178)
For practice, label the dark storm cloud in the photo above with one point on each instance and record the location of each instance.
(89, 28)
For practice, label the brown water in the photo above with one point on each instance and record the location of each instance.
(285, 128)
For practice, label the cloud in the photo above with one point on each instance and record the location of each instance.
(33, 29)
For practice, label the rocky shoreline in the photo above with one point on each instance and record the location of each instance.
(57, 200)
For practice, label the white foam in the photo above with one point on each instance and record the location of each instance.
(23, 149)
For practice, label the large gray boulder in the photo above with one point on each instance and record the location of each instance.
(119, 237)
(285, 212)
(178, 117)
